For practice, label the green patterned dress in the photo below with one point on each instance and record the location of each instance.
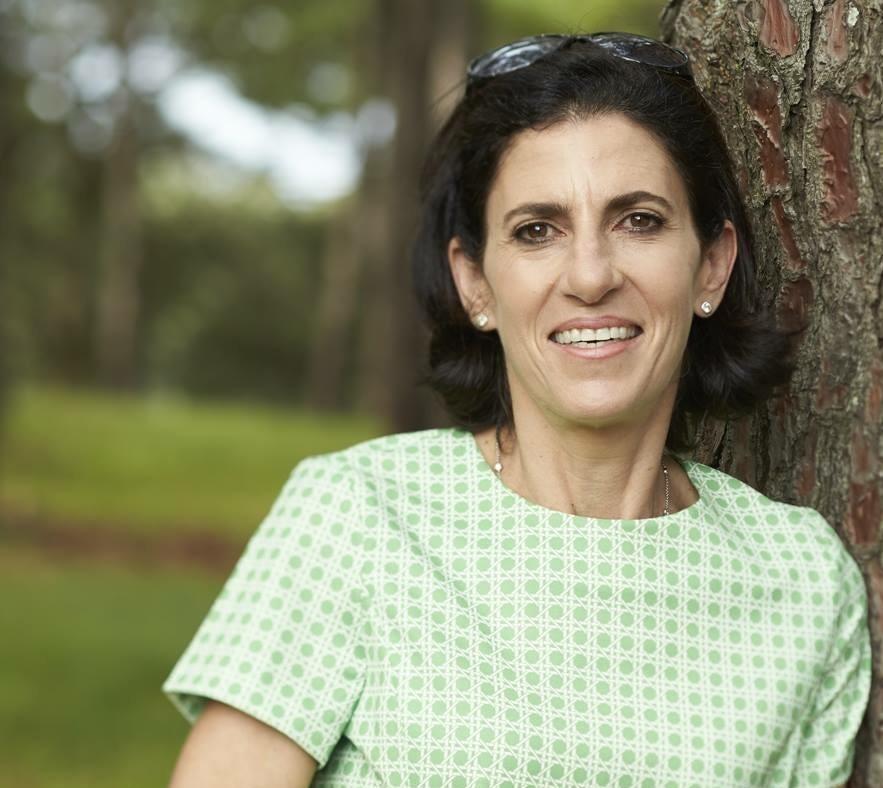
(410, 621)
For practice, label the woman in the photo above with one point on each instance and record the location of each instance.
(549, 595)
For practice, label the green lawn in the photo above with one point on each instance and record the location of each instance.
(154, 464)
(86, 647)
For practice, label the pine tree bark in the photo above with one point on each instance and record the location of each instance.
(798, 86)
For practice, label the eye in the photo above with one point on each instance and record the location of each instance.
(534, 232)
(642, 222)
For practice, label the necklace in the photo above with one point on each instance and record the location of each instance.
(498, 469)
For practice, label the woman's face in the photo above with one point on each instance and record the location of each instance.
(590, 238)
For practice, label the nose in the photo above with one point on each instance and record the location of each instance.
(591, 271)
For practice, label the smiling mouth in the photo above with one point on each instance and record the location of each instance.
(595, 337)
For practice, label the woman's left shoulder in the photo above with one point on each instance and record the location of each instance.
(790, 526)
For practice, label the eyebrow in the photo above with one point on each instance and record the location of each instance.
(548, 210)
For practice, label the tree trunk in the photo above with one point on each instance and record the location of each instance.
(338, 296)
(798, 85)
(120, 246)
(354, 241)
(390, 326)
(374, 328)
(424, 56)
(9, 143)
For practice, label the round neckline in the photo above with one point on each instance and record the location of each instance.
(484, 470)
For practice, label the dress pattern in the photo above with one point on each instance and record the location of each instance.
(409, 620)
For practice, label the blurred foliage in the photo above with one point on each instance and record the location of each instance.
(278, 53)
(514, 18)
(229, 298)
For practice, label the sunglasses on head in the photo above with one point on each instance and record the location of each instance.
(525, 51)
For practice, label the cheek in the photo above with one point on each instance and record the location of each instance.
(519, 311)
(673, 286)
(518, 297)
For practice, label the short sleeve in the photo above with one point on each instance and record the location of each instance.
(285, 639)
(841, 697)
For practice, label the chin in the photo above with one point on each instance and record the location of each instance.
(599, 414)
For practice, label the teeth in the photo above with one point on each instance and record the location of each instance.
(595, 335)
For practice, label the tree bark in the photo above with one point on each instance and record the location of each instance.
(798, 86)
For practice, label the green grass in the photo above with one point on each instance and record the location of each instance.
(154, 464)
(86, 647)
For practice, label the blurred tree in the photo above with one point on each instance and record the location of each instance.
(412, 54)
(799, 90)
(423, 50)
(354, 245)
(120, 246)
(11, 135)
(73, 83)
(338, 297)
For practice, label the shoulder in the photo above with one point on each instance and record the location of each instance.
(437, 442)
(367, 473)
(782, 530)
(398, 457)
(738, 501)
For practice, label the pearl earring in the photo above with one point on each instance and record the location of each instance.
(481, 320)
(706, 307)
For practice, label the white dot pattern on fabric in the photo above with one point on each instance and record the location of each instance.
(409, 620)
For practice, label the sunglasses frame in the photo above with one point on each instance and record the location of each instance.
(527, 51)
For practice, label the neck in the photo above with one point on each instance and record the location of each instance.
(612, 472)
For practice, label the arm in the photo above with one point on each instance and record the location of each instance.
(229, 749)
(842, 684)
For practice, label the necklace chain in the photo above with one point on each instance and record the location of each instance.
(666, 509)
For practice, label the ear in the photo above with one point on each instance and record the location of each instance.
(715, 269)
(473, 288)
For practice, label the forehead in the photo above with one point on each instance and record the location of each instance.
(588, 159)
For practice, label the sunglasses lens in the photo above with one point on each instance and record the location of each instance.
(513, 56)
(643, 50)
(519, 54)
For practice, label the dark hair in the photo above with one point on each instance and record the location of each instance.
(733, 358)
